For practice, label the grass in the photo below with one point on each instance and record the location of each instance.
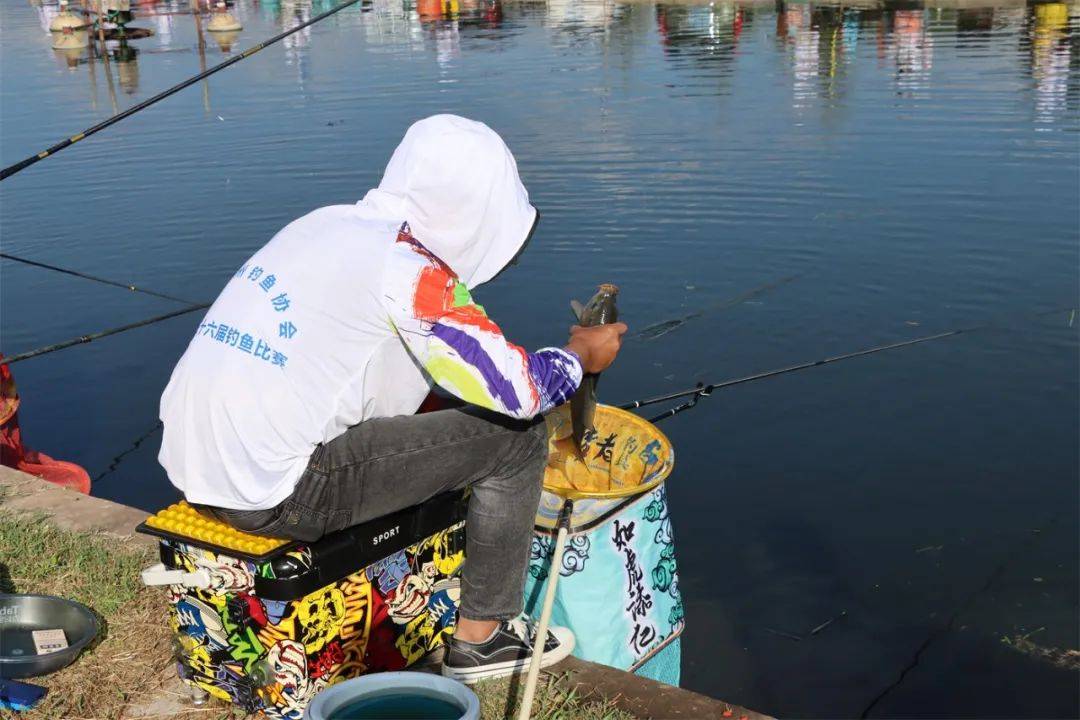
(102, 573)
(54, 561)
(132, 658)
(554, 701)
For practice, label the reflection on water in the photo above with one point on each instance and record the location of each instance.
(818, 42)
(913, 163)
(1050, 52)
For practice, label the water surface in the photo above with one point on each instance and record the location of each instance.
(916, 167)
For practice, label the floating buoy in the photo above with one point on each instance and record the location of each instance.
(223, 21)
(66, 21)
(225, 40)
(70, 46)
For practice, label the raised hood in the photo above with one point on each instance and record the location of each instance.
(456, 184)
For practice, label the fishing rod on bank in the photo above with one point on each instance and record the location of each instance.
(82, 339)
(90, 337)
(702, 390)
(23, 164)
(95, 278)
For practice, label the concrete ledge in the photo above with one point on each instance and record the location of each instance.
(68, 509)
(646, 698)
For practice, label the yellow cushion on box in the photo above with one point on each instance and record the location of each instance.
(185, 522)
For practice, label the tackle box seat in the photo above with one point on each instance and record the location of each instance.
(293, 574)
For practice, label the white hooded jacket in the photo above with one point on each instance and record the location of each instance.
(351, 313)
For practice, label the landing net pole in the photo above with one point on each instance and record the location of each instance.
(23, 164)
(545, 614)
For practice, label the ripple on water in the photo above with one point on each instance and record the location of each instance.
(915, 167)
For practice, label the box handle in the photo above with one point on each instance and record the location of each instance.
(158, 575)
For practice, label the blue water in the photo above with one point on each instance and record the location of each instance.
(398, 707)
(917, 167)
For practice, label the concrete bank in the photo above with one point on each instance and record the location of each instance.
(69, 510)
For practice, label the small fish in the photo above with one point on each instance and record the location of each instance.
(600, 310)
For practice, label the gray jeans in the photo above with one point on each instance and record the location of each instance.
(381, 466)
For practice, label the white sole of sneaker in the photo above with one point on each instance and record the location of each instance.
(468, 676)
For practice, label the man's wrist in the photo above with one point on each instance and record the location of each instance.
(579, 350)
(577, 358)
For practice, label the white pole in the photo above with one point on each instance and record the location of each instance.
(545, 614)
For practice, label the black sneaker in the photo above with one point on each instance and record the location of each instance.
(507, 651)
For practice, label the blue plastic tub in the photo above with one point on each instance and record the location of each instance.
(401, 695)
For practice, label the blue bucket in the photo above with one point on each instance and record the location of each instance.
(401, 695)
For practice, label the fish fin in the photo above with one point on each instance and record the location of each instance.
(577, 308)
(580, 452)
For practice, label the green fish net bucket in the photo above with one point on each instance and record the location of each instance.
(625, 456)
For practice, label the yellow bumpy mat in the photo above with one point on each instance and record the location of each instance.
(184, 521)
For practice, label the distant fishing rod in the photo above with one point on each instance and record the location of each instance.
(82, 339)
(85, 276)
(701, 390)
(659, 329)
(23, 164)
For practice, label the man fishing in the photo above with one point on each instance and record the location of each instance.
(291, 413)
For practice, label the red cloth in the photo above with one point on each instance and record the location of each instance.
(436, 401)
(15, 455)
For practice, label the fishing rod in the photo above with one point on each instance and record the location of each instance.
(104, 333)
(23, 164)
(106, 281)
(120, 458)
(701, 390)
(659, 329)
